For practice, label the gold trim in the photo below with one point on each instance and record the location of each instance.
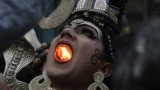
(59, 15)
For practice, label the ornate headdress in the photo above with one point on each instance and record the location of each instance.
(67, 8)
(97, 6)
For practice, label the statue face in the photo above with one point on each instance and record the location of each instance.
(85, 44)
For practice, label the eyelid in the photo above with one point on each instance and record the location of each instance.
(93, 26)
(89, 28)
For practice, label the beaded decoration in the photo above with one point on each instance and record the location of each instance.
(65, 9)
(98, 6)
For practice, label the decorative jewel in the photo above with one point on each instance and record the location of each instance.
(63, 53)
(81, 4)
(86, 14)
(41, 82)
(110, 46)
(76, 22)
(101, 5)
(98, 78)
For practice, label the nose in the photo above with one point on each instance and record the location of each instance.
(68, 33)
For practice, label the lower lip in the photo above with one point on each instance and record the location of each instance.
(63, 53)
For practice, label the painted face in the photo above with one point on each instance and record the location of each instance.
(83, 40)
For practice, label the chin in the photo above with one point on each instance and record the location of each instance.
(58, 73)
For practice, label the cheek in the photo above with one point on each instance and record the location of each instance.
(87, 48)
(51, 49)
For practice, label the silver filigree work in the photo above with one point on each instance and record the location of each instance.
(98, 77)
(97, 6)
(16, 58)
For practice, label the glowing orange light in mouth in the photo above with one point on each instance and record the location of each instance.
(63, 53)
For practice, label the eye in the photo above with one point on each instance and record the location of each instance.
(89, 33)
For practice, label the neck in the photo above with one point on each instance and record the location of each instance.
(69, 85)
(68, 88)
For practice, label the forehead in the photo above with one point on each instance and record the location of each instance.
(77, 22)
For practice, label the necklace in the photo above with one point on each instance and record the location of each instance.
(50, 88)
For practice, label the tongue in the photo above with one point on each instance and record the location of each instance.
(63, 53)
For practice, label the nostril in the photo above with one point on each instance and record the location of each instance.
(66, 34)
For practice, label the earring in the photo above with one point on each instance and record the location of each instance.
(41, 82)
(98, 78)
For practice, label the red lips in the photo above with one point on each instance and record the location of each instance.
(63, 53)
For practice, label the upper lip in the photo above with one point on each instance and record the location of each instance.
(66, 43)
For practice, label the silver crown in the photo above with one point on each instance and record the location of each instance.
(65, 9)
(98, 6)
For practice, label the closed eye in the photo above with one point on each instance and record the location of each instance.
(88, 32)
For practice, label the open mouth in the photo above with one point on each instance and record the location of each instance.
(63, 53)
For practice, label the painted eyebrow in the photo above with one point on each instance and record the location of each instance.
(67, 26)
(89, 27)
(94, 27)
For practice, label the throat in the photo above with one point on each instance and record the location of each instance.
(52, 88)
